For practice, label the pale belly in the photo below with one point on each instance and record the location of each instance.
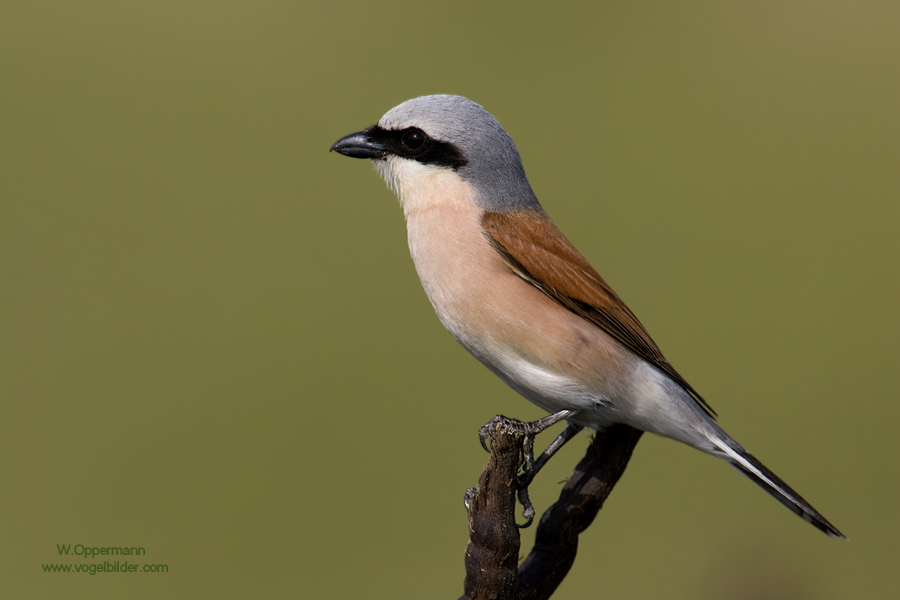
(551, 356)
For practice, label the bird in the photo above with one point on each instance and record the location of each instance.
(513, 290)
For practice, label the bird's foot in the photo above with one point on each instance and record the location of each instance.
(530, 467)
(524, 428)
(469, 496)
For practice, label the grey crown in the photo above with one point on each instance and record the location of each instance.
(494, 166)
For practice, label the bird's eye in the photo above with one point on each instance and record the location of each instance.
(414, 139)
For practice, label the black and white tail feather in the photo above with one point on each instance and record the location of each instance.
(744, 462)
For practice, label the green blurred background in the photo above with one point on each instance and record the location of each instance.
(214, 344)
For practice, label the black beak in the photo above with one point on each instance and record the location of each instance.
(359, 145)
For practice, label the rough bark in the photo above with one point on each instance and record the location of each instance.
(492, 570)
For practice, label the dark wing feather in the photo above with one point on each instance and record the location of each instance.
(538, 252)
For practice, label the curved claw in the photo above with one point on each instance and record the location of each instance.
(527, 508)
(487, 430)
(482, 437)
(530, 467)
(469, 496)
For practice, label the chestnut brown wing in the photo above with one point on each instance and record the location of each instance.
(537, 251)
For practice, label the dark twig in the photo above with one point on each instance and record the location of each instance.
(494, 539)
(556, 539)
(493, 551)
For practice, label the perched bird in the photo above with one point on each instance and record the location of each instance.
(516, 293)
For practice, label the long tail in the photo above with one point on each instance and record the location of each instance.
(744, 462)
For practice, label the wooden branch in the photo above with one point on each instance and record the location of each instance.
(493, 549)
(556, 540)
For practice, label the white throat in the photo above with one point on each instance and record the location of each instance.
(422, 187)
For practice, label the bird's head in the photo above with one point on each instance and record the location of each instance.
(435, 144)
